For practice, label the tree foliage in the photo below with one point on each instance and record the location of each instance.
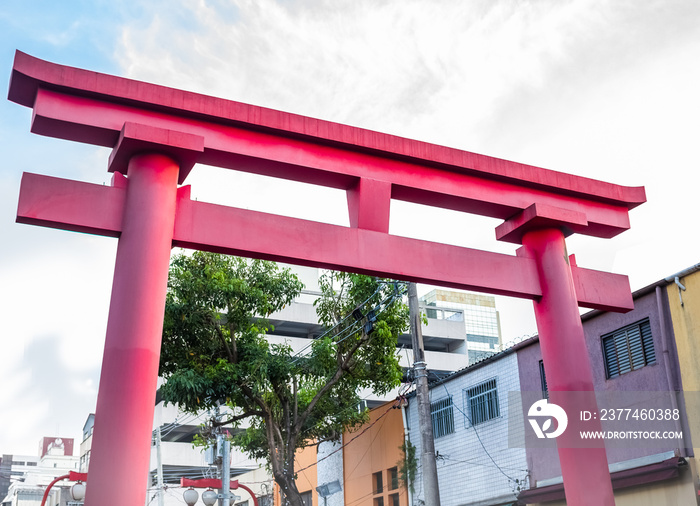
(214, 351)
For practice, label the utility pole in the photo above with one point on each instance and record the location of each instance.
(428, 463)
(226, 472)
(159, 468)
(223, 451)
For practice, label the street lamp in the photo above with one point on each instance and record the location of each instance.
(327, 489)
(210, 496)
(76, 490)
(190, 496)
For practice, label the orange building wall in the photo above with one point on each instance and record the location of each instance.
(377, 450)
(306, 480)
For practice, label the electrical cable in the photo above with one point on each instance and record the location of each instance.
(510, 479)
(354, 326)
(393, 406)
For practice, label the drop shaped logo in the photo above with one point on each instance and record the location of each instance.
(542, 412)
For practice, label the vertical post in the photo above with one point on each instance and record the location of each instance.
(567, 365)
(425, 424)
(126, 398)
(226, 472)
(159, 467)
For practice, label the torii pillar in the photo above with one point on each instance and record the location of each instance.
(542, 230)
(152, 160)
(157, 134)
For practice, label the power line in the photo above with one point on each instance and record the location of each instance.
(510, 479)
(393, 406)
(351, 329)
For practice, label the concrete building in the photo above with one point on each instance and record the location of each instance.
(470, 416)
(179, 458)
(445, 337)
(482, 323)
(27, 477)
(363, 469)
(653, 348)
(86, 443)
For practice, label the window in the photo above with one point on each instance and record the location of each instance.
(393, 478)
(378, 501)
(244, 503)
(628, 349)
(377, 483)
(543, 381)
(442, 417)
(394, 500)
(481, 402)
(265, 500)
(306, 498)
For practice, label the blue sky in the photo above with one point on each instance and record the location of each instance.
(602, 89)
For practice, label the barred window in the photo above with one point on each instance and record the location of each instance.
(442, 417)
(628, 349)
(481, 402)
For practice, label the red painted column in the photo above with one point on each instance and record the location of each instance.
(121, 443)
(567, 366)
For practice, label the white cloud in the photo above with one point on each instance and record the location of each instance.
(583, 86)
(599, 88)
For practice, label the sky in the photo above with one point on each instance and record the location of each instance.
(606, 90)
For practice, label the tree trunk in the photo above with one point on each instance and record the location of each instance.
(290, 492)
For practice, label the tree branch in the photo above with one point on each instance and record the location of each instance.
(296, 399)
(238, 417)
(343, 367)
(222, 337)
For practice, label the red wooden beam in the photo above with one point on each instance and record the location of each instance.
(89, 107)
(71, 205)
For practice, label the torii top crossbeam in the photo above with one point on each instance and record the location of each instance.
(372, 167)
(158, 134)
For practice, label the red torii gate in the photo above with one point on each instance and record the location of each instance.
(159, 133)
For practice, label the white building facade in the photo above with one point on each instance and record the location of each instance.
(469, 411)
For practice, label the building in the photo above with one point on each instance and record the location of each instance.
(13, 468)
(650, 350)
(478, 312)
(653, 348)
(470, 415)
(445, 337)
(177, 457)
(363, 469)
(29, 476)
(86, 443)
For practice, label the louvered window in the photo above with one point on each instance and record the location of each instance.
(443, 417)
(628, 349)
(543, 381)
(481, 402)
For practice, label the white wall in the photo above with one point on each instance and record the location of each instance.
(466, 473)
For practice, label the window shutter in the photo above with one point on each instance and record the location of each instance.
(648, 342)
(623, 354)
(634, 338)
(628, 349)
(610, 354)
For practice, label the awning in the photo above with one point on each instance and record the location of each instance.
(660, 471)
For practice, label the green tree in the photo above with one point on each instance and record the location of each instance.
(214, 351)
